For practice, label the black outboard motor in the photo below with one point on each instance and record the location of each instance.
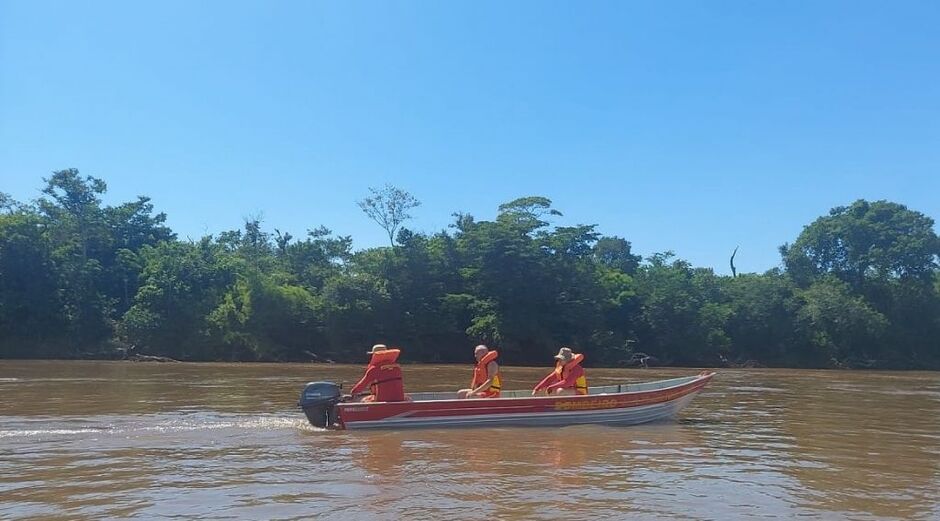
(318, 400)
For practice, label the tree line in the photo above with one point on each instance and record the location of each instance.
(859, 287)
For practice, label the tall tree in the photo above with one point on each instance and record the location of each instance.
(527, 213)
(82, 240)
(32, 316)
(865, 241)
(75, 204)
(388, 206)
(615, 252)
(888, 256)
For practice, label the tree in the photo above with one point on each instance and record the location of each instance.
(181, 283)
(684, 312)
(844, 329)
(762, 319)
(82, 242)
(505, 270)
(865, 241)
(75, 202)
(258, 318)
(388, 206)
(888, 256)
(311, 262)
(78, 277)
(527, 213)
(7, 203)
(32, 316)
(354, 307)
(614, 252)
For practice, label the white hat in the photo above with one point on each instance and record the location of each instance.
(376, 349)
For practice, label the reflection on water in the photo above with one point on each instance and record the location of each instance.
(100, 439)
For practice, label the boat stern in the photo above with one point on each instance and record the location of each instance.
(318, 401)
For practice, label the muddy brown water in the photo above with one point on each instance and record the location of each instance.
(148, 440)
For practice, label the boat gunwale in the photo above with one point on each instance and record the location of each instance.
(702, 377)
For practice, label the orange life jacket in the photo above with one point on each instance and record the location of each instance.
(480, 375)
(562, 370)
(386, 385)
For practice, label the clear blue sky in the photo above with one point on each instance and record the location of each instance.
(691, 126)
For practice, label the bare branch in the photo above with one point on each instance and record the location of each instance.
(388, 206)
(734, 272)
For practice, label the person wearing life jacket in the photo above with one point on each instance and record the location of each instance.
(486, 381)
(382, 378)
(568, 376)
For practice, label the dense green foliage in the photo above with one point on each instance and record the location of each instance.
(859, 287)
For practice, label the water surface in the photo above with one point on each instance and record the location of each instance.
(121, 439)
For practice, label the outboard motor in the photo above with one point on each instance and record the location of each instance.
(318, 400)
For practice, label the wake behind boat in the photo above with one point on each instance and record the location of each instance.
(624, 404)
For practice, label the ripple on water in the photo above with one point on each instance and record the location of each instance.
(219, 440)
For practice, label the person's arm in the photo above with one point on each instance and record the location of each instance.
(491, 369)
(548, 380)
(484, 386)
(364, 382)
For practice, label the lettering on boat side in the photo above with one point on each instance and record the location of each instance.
(586, 404)
(355, 409)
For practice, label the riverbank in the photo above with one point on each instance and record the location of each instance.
(112, 281)
(751, 364)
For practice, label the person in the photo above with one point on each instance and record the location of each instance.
(486, 381)
(382, 378)
(567, 378)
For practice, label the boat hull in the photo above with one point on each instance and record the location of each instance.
(650, 402)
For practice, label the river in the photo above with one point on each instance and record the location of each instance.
(149, 440)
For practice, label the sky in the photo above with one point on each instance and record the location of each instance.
(687, 126)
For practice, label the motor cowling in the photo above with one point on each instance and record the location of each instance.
(318, 400)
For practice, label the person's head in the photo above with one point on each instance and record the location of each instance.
(377, 348)
(564, 355)
(480, 351)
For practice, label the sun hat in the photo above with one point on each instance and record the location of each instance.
(376, 348)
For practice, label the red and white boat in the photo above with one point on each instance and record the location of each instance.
(625, 404)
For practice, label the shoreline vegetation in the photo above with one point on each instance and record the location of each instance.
(858, 288)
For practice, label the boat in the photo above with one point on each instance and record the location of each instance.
(621, 404)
